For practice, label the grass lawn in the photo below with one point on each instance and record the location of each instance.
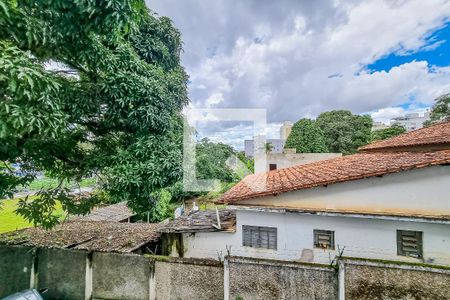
(9, 221)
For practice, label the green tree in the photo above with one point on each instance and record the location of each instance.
(211, 161)
(306, 137)
(268, 147)
(382, 134)
(440, 112)
(211, 164)
(344, 132)
(90, 88)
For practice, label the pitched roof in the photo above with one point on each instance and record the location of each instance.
(202, 220)
(86, 235)
(341, 169)
(115, 213)
(436, 135)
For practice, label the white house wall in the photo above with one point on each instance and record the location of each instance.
(365, 238)
(420, 191)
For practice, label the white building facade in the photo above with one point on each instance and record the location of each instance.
(277, 146)
(298, 218)
(411, 121)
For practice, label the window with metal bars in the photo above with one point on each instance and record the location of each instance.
(409, 243)
(259, 237)
(324, 239)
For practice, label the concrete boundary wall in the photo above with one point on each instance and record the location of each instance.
(70, 274)
(16, 269)
(248, 278)
(178, 278)
(369, 279)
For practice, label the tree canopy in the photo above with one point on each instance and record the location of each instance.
(440, 111)
(90, 88)
(344, 132)
(211, 161)
(306, 137)
(382, 134)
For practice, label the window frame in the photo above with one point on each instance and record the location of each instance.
(272, 241)
(273, 167)
(411, 234)
(332, 240)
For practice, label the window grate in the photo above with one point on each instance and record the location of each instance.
(324, 239)
(259, 237)
(409, 243)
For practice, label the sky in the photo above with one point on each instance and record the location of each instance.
(298, 58)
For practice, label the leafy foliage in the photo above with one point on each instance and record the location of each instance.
(440, 112)
(344, 132)
(211, 158)
(382, 134)
(306, 137)
(211, 163)
(268, 147)
(90, 88)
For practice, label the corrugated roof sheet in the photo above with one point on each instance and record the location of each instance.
(202, 220)
(438, 134)
(114, 213)
(341, 169)
(87, 235)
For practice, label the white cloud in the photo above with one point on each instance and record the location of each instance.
(386, 114)
(282, 55)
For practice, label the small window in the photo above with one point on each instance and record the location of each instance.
(324, 239)
(259, 237)
(409, 243)
(272, 167)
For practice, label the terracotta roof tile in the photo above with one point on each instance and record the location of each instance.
(438, 134)
(341, 169)
(86, 235)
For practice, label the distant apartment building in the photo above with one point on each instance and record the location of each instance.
(277, 146)
(411, 121)
(285, 130)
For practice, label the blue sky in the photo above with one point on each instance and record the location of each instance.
(436, 52)
(298, 58)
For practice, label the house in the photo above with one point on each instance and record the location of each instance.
(389, 201)
(179, 236)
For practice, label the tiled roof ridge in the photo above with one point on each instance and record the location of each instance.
(340, 172)
(415, 138)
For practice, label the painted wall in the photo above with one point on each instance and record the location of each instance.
(365, 238)
(421, 191)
